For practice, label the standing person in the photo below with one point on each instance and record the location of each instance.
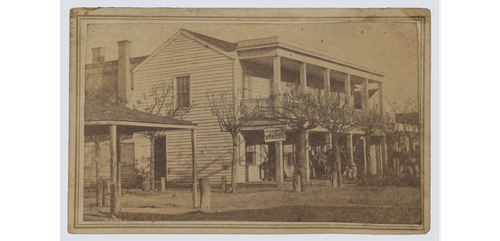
(312, 164)
(321, 163)
(351, 171)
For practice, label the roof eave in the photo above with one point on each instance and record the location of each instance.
(285, 44)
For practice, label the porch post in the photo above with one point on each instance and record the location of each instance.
(277, 75)
(384, 153)
(113, 152)
(407, 144)
(379, 157)
(364, 156)
(328, 141)
(350, 154)
(279, 162)
(115, 206)
(372, 149)
(303, 80)
(396, 159)
(196, 197)
(308, 170)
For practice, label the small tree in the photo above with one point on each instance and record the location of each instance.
(232, 116)
(298, 111)
(370, 122)
(406, 124)
(159, 101)
(335, 113)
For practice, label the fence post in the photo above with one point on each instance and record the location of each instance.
(205, 193)
(162, 184)
(296, 183)
(103, 192)
(100, 193)
(223, 183)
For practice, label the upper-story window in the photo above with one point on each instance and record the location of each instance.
(182, 92)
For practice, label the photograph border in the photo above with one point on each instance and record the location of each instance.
(79, 18)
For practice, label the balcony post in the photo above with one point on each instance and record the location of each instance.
(347, 88)
(277, 75)
(326, 81)
(365, 94)
(279, 162)
(303, 79)
(380, 98)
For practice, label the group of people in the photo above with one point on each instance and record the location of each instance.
(323, 163)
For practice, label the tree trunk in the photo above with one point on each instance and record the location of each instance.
(299, 167)
(234, 169)
(296, 183)
(152, 164)
(337, 160)
(369, 160)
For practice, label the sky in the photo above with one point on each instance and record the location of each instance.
(388, 47)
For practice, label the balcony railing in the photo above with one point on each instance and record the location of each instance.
(265, 107)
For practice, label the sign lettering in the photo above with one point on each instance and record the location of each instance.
(274, 134)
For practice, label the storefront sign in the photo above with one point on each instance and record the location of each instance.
(274, 134)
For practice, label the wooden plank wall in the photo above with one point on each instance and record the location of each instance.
(128, 177)
(208, 70)
(89, 181)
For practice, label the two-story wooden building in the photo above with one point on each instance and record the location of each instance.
(258, 69)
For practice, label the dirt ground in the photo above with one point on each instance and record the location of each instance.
(320, 203)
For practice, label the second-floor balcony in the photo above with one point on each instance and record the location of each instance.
(271, 108)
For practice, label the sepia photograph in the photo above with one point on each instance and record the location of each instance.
(256, 121)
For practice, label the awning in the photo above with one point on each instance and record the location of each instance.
(99, 116)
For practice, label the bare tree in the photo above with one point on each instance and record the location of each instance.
(232, 117)
(370, 122)
(159, 101)
(405, 123)
(298, 111)
(335, 113)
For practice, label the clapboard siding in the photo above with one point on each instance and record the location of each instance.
(208, 69)
(128, 176)
(253, 173)
(260, 87)
(90, 166)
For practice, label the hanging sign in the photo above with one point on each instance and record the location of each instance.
(273, 134)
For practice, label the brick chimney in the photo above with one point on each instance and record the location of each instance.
(97, 56)
(94, 74)
(124, 91)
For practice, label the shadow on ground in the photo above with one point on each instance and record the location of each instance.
(382, 215)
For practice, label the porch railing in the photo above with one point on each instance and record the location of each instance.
(263, 106)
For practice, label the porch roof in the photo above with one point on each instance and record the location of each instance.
(97, 113)
(278, 46)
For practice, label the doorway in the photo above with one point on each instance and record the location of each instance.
(160, 150)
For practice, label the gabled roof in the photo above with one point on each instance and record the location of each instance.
(99, 112)
(221, 46)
